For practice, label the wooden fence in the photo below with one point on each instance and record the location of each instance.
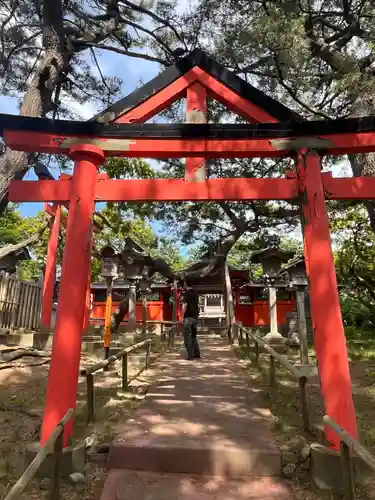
(20, 303)
(300, 374)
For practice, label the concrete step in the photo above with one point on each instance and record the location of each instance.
(128, 485)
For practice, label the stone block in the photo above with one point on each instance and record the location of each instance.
(72, 460)
(326, 469)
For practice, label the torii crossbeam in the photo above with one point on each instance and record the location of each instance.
(274, 131)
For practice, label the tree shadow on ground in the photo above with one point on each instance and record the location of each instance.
(202, 409)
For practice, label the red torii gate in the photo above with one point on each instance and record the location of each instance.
(275, 131)
(57, 219)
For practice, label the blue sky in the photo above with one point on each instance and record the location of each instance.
(131, 71)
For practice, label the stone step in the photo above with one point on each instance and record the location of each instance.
(129, 485)
(199, 417)
(195, 457)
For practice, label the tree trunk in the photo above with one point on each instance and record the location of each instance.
(364, 165)
(37, 101)
(119, 314)
(209, 264)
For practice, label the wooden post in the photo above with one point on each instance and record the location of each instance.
(148, 355)
(329, 336)
(174, 305)
(256, 347)
(90, 397)
(125, 386)
(50, 270)
(144, 314)
(302, 326)
(272, 371)
(304, 406)
(229, 303)
(247, 340)
(132, 305)
(196, 109)
(347, 473)
(54, 492)
(66, 350)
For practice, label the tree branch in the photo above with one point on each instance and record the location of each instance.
(156, 18)
(238, 223)
(8, 249)
(124, 52)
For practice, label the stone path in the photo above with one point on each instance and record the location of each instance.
(201, 433)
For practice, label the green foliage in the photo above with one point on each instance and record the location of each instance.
(15, 228)
(355, 263)
(31, 270)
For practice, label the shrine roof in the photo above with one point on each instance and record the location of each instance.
(259, 256)
(124, 284)
(296, 261)
(198, 58)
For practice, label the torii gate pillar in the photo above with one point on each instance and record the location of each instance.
(66, 348)
(329, 335)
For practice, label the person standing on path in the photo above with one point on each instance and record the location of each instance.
(190, 311)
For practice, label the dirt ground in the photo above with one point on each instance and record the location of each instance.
(22, 392)
(284, 403)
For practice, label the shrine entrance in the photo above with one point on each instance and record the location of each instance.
(274, 131)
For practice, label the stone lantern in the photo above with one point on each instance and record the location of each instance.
(271, 259)
(136, 273)
(295, 271)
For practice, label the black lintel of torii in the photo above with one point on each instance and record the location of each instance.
(69, 128)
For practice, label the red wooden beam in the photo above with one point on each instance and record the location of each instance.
(232, 100)
(158, 102)
(196, 112)
(160, 190)
(50, 270)
(212, 189)
(339, 144)
(357, 188)
(349, 188)
(28, 191)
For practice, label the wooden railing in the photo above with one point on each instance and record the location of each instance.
(348, 446)
(123, 355)
(89, 372)
(54, 446)
(300, 375)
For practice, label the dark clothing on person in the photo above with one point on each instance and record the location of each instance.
(190, 338)
(191, 300)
